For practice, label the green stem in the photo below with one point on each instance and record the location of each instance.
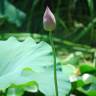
(54, 57)
(95, 59)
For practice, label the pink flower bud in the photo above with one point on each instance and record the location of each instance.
(49, 21)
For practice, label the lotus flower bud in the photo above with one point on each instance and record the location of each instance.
(49, 22)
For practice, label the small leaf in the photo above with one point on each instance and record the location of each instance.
(85, 68)
(15, 92)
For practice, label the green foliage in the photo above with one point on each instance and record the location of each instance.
(72, 19)
(30, 66)
(26, 67)
(12, 14)
(86, 83)
(74, 58)
(91, 7)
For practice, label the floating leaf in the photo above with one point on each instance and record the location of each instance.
(28, 61)
(16, 56)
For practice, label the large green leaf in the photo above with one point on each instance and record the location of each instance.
(15, 56)
(28, 61)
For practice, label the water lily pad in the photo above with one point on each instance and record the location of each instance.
(28, 61)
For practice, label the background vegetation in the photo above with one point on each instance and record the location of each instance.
(75, 18)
